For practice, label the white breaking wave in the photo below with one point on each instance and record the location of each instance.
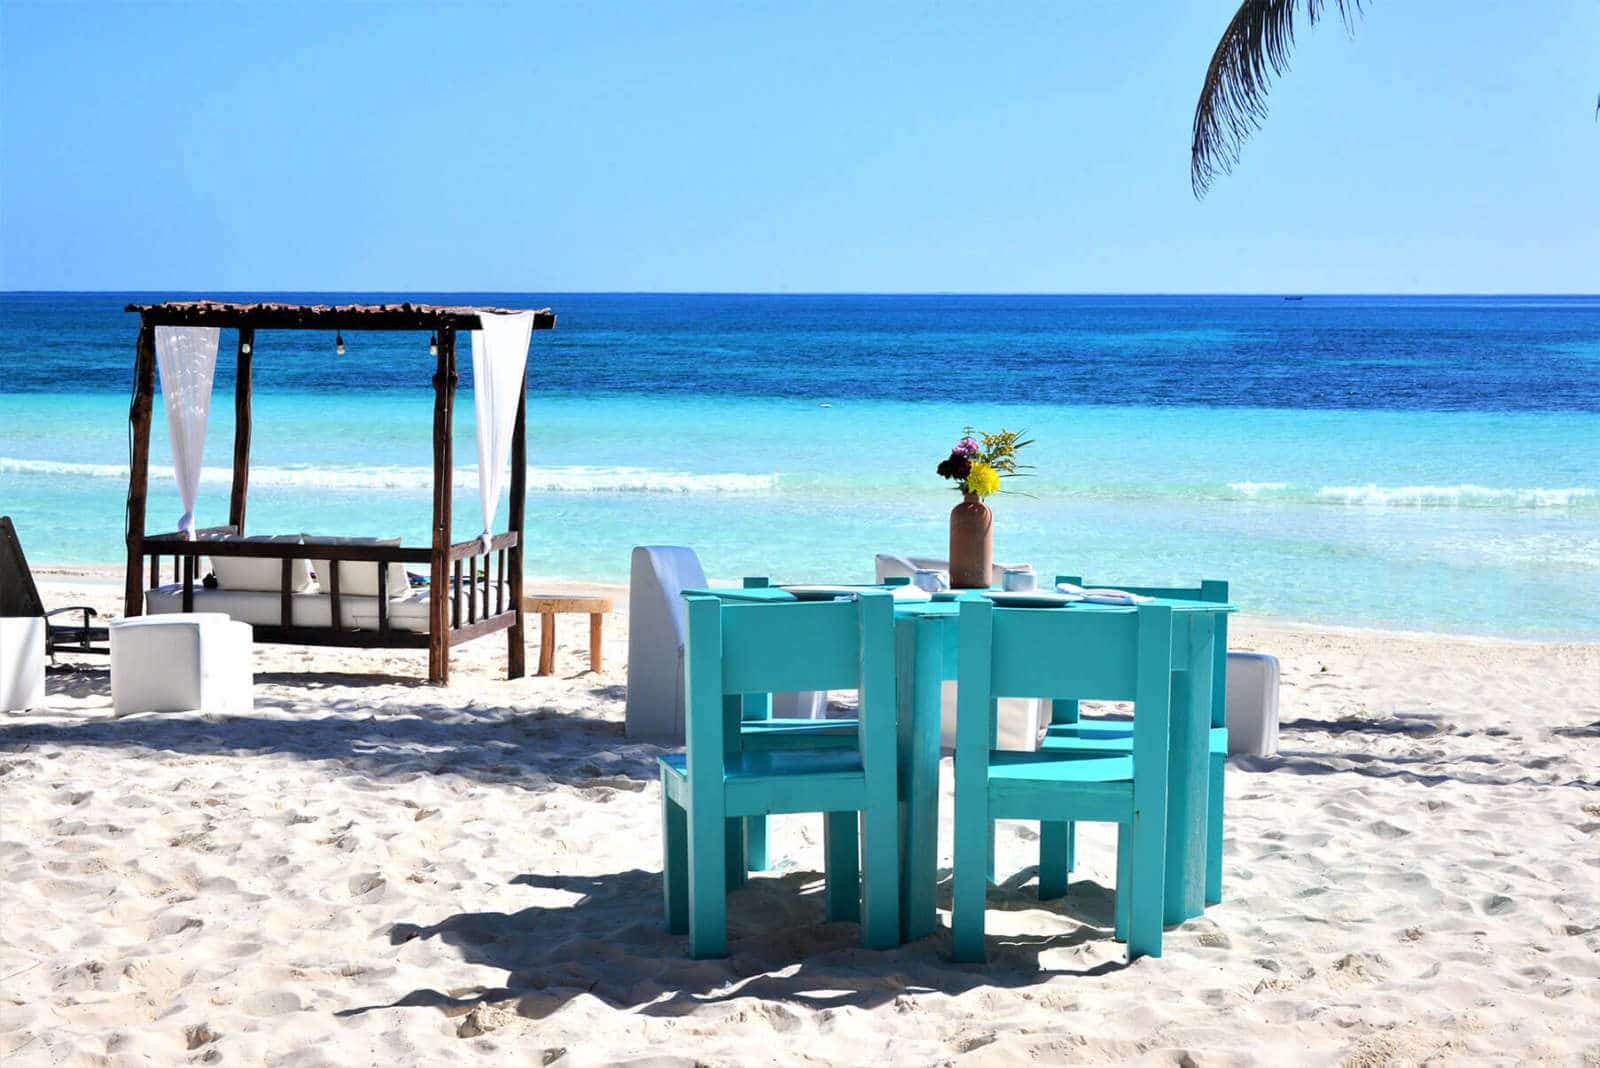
(1453, 495)
(1256, 489)
(540, 479)
(1374, 495)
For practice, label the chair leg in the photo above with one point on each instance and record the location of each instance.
(708, 904)
(973, 848)
(1215, 791)
(674, 864)
(738, 874)
(1055, 848)
(1147, 897)
(841, 898)
(880, 885)
(1124, 882)
(755, 842)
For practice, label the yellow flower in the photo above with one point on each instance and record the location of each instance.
(982, 480)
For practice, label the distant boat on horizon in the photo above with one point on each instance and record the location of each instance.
(1294, 298)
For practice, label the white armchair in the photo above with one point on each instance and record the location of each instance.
(656, 622)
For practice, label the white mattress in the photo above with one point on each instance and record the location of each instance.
(408, 613)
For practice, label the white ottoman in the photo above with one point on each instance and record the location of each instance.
(1252, 704)
(22, 642)
(180, 662)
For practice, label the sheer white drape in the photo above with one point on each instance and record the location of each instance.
(187, 356)
(499, 358)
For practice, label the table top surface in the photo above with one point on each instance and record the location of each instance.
(949, 604)
(562, 602)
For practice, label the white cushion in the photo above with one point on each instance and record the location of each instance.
(358, 579)
(305, 609)
(246, 573)
(179, 663)
(22, 644)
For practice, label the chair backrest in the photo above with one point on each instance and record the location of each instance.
(18, 595)
(740, 648)
(1060, 653)
(1212, 591)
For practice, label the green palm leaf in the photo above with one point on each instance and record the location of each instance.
(1254, 49)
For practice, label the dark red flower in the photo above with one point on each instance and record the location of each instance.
(956, 467)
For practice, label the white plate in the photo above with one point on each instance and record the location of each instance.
(1034, 599)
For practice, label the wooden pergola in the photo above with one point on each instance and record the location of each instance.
(449, 622)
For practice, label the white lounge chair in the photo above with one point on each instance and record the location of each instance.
(1021, 719)
(656, 616)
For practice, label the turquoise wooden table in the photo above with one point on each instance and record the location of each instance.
(927, 636)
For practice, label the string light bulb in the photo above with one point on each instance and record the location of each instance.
(245, 348)
(433, 344)
(338, 343)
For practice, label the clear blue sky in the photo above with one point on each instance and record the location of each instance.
(1446, 147)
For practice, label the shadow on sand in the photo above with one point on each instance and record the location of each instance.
(609, 943)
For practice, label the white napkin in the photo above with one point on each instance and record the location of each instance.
(1102, 596)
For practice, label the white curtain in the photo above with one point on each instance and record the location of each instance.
(187, 356)
(499, 358)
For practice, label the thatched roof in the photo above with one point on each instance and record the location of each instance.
(268, 316)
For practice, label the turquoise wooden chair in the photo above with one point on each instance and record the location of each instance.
(1049, 653)
(760, 731)
(708, 791)
(1057, 842)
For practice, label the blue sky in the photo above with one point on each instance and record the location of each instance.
(876, 147)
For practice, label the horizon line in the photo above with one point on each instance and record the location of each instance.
(816, 293)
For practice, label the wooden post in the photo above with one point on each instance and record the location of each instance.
(241, 432)
(516, 658)
(144, 387)
(444, 388)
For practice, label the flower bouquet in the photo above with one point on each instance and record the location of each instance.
(977, 465)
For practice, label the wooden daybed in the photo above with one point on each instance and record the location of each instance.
(483, 587)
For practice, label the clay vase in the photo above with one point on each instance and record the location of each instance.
(971, 544)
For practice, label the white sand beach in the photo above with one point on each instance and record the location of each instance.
(371, 870)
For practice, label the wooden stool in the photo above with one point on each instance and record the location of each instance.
(547, 605)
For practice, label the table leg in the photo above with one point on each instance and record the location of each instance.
(596, 622)
(919, 663)
(547, 643)
(1189, 774)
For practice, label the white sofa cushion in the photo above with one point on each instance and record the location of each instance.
(358, 579)
(408, 614)
(258, 573)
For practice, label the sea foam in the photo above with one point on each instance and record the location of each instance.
(1462, 496)
(577, 479)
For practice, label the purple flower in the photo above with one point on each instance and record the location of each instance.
(966, 447)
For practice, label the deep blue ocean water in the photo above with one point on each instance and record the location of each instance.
(1423, 463)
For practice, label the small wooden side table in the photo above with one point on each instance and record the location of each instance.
(548, 605)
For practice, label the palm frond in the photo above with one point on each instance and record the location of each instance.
(1233, 100)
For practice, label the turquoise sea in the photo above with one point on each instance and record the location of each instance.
(1415, 463)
